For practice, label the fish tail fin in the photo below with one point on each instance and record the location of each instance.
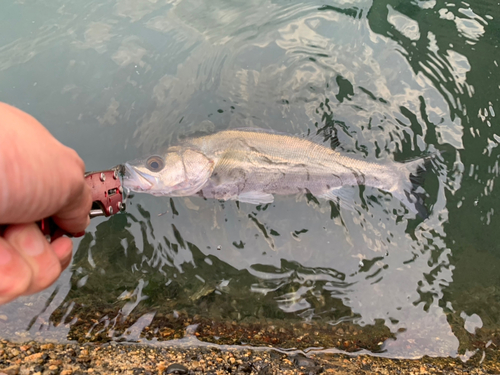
(410, 191)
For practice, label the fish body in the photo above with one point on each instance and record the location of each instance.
(253, 165)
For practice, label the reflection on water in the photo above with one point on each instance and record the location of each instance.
(118, 78)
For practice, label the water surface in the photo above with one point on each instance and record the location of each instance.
(118, 79)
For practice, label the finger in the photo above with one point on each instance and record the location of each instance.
(63, 248)
(31, 244)
(15, 273)
(74, 216)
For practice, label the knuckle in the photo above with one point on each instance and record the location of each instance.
(73, 155)
(70, 160)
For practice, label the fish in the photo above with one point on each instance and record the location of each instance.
(253, 165)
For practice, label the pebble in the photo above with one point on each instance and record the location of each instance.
(301, 361)
(113, 358)
(176, 368)
(34, 357)
(11, 370)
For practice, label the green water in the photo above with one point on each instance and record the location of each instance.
(119, 79)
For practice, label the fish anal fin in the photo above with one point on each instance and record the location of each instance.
(343, 195)
(255, 197)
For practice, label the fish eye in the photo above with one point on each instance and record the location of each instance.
(154, 163)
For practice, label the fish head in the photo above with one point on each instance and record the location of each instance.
(176, 173)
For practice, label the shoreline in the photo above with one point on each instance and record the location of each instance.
(126, 358)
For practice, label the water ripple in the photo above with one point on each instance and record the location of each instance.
(118, 78)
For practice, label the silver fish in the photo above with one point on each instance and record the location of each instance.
(252, 165)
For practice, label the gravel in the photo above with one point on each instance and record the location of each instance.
(117, 358)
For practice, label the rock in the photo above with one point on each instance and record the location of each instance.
(266, 370)
(37, 357)
(301, 361)
(314, 370)
(245, 368)
(12, 370)
(176, 368)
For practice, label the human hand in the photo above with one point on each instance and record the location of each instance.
(39, 177)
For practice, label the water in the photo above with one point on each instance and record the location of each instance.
(119, 79)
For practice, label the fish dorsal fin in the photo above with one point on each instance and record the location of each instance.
(261, 130)
(329, 141)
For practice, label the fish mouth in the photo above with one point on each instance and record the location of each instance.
(135, 180)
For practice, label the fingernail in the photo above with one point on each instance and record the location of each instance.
(5, 256)
(32, 241)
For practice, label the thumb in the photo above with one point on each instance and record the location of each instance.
(73, 217)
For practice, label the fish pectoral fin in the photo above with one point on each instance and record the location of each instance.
(343, 195)
(255, 197)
